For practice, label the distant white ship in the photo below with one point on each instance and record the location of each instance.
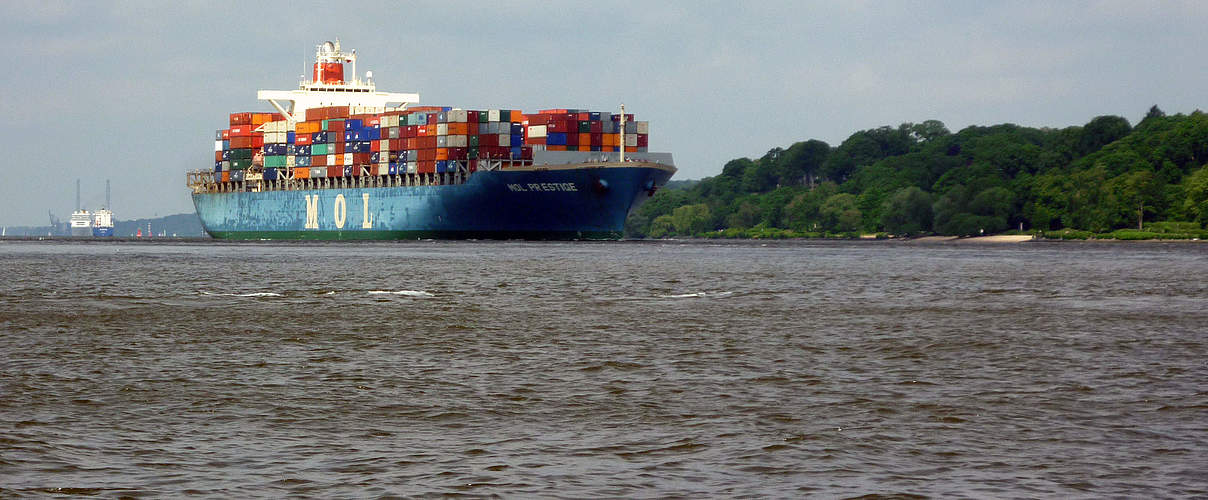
(81, 223)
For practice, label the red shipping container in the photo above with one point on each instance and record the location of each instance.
(429, 141)
(597, 127)
(361, 158)
(596, 139)
(339, 148)
(473, 165)
(572, 139)
(410, 143)
(258, 141)
(459, 153)
(396, 144)
(226, 134)
(472, 116)
(375, 146)
(241, 119)
(427, 154)
(410, 131)
(240, 131)
(536, 140)
(643, 140)
(302, 139)
(218, 156)
(337, 112)
(583, 116)
(335, 171)
(318, 161)
(241, 142)
(426, 167)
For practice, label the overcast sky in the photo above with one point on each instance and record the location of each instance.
(133, 91)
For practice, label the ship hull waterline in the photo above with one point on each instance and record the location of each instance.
(538, 203)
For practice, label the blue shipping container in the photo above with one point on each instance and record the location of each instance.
(353, 124)
(517, 140)
(302, 150)
(270, 174)
(516, 152)
(517, 129)
(392, 169)
(348, 171)
(373, 134)
(290, 136)
(556, 139)
(318, 138)
(217, 166)
(226, 144)
(302, 161)
(442, 166)
(374, 157)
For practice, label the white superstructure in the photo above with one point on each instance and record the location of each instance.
(328, 87)
(81, 223)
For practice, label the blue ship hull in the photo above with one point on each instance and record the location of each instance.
(102, 231)
(558, 202)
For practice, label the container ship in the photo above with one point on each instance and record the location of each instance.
(337, 159)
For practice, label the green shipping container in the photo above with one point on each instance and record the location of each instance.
(241, 154)
(472, 154)
(318, 149)
(473, 141)
(584, 127)
(240, 164)
(274, 161)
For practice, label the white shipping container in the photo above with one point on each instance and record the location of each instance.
(458, 116)
(412, 167)
(493, 115)
(643, 127)
(536, 131)
(217, 145)
(289, 161)
(331, 160)
(392, 133)
(348, 156)
(384, 145)
(442, 141)
(442, 129)
(505, 140)
(458, 141)
(631, 140)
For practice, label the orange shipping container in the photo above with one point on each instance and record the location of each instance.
(308, 127)
(459, 128)
(584, 140)
(442, 154)
(226, 176)
(631, 149)
(610, 139)
(556, 147)
(302, 172)
(241, 142)
(261, 118)
(318, 161)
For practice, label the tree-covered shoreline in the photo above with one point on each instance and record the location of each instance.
(1105, 179)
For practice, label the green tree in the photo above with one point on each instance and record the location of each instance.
(690, 220)
(1195, 189)
(907, 212)
(840, 214)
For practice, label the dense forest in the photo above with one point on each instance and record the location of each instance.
(919, 178)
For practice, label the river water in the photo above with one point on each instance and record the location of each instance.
(624, 369)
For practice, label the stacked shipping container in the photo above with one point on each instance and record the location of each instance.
(350, 141)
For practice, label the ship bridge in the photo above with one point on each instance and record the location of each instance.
(328, 87)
